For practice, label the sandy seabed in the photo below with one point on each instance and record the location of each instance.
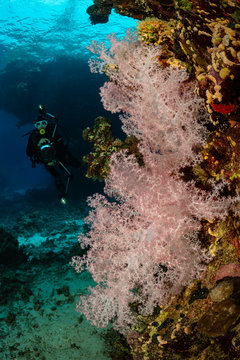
(39, 293)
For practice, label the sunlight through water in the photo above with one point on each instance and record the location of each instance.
(41, 30)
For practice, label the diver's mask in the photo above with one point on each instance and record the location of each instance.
(41, 124)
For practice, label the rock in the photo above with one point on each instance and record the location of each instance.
(9, 247)
(221, 291)
(219, 318)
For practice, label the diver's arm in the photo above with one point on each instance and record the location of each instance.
(29, 149)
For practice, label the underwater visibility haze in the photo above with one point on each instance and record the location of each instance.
(43, 59)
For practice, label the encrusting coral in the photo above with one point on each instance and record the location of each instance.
(137, 9)
(104, 145)
(160, 32)
(209, 37)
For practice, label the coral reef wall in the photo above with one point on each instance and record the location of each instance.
(165, 250)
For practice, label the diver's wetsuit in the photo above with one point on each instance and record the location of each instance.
(60, 154)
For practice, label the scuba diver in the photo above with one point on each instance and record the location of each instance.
(45, 146)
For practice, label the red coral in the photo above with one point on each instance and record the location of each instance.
(224, 108)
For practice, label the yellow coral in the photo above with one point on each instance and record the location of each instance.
(224, 73)
(157, 32)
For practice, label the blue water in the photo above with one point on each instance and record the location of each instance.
(44, 29)
(43, 59)
(16, 170)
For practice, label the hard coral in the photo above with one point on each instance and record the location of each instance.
(221, 156)
(211, 43)
(202, 27)
(104, 144)
(159, 32)
(99, 14)
(137, 9)
(162, 8)
(223, 70)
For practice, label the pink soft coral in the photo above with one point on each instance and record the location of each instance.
(143, 246)
(159, 105)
